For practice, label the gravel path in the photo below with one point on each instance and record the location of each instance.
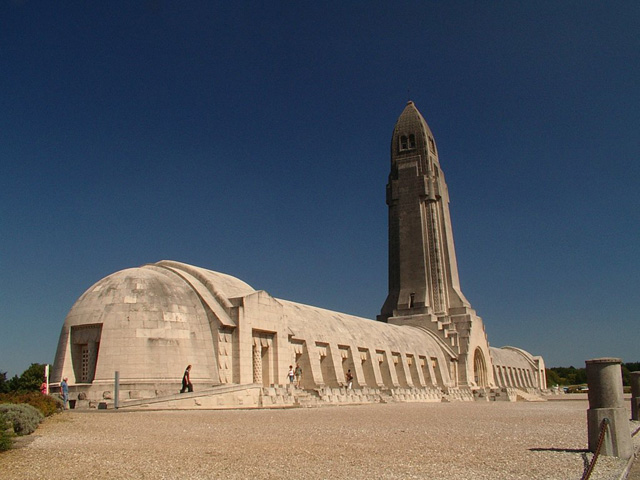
(472, 440)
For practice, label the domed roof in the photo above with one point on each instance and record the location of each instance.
(148, 323)
(153, 287)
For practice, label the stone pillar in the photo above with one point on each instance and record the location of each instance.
(604, 377)
(635, 395)
(257, 363)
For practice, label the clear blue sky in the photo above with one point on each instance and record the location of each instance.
(254, 140)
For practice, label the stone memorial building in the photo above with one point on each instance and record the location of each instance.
(427, 344)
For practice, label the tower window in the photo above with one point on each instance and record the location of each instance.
(432, 145)
(407, 142)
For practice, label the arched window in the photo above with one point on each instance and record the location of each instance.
(404, 144)
(412, 141)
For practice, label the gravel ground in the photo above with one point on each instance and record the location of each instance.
(473, 440)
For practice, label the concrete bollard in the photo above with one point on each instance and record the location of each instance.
(604, 377)
(635, 395)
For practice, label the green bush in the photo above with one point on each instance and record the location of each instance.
(47, 404)
(6, 430)
(25, 418)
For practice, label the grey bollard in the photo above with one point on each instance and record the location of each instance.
(116, 390)
(604, 377)
(635, 395)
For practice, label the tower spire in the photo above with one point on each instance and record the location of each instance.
(424, 288)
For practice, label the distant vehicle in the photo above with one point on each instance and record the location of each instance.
(576, 389)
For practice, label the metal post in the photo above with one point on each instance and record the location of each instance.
(604, 377)
(116, 391)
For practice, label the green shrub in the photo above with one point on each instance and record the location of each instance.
(6, 430)
(25, 418)
(47, 404)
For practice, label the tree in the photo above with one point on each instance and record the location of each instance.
(581, 376)
(29, 381)
(13, 384)
(633, 366)
(4, 384)
(578, 376)
(31, 378)
(553, 378)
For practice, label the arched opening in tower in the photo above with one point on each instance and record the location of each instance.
(479, 368)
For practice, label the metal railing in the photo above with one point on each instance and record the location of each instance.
(603, 430)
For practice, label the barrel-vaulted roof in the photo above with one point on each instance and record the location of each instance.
(512, 357)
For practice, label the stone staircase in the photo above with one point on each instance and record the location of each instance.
(509, 394)
(528, 396)
(426, 394)
(458, 394)
(196, 397)
(342, 395)
(278, 396)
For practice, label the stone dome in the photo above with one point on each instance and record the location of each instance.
(147, 323)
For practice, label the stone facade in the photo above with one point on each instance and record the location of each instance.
(428, 344)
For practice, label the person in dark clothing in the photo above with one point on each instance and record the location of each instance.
(349, 378)
(186, 381)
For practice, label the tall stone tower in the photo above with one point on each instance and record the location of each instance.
(424, 287)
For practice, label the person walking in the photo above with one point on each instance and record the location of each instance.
(349, 378)
(291, 375)
(64, 390)
(186, 380)
(298, 373)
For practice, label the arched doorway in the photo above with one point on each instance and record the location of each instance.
(479, 368)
